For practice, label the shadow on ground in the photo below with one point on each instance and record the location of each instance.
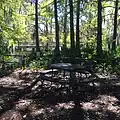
(48, 104)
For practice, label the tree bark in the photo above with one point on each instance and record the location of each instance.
(46, 25)
(72, 29)
(36, 28)
(65, 26)
(99, 29)
(57, 51)
(115, 26)
(77, 29)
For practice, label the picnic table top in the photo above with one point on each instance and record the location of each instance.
(68, 66)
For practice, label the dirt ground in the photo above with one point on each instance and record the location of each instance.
(47, 104)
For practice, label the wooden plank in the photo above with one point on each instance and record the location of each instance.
(52, 79)
(49, 71)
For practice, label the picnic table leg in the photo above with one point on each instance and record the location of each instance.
(74, 87)
(42, 82)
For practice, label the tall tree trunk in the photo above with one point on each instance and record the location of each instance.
(46, 25)
(77, 29)
(65, 26)
(115, 26)
(57, 51)
(99, 29)
(51, 24)
(72, 29)
(36, 28)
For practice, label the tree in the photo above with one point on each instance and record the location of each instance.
(65, 25)
(36, 28)
(115, 26)
(72, 29)
(57, 51)
(77, 28)
(99, 29)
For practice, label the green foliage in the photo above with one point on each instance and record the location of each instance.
(38, 64)
(118, 51)
(17, 20)
(88, 52)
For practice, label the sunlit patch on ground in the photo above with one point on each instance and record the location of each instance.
(11, 115)
(103, 103)
(68, 105)
(38, 112)
(22, 104)
(90, 106)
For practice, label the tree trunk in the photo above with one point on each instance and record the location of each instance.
(115, 26)
(65, 26)
(36, 28)
(46, 25)
(57, 51)
(77, 29)
(72, 29)
(99, 29)
(51, 24)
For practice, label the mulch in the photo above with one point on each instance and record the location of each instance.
(45, 104)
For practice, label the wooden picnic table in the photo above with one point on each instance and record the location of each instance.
(71, 68)
(74, 77)
(78, 83)
(76, 72)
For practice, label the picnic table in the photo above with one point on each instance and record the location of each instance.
(77, 74)
(76, 79)
(74, 72)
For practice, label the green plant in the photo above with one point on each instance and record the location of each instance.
(38, 64)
